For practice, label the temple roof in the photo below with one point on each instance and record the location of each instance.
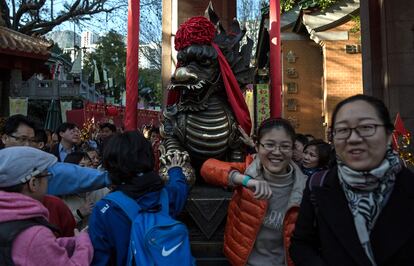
(317, 22)
(16, 43)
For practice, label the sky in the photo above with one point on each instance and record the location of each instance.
(100, 23)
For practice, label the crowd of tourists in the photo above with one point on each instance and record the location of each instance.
(297, 200)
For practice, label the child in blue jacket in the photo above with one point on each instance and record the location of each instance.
(129, 160)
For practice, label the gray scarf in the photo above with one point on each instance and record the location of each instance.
(367, 193)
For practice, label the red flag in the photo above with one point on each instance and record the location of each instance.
(130, 121)
(399, 125)
(275, 63)
(399, 130)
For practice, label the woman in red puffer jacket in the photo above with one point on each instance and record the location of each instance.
(268, 191)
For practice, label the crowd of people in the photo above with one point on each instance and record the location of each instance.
(297, 200)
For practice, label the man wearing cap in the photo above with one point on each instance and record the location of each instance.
(23, 219)
(20, 131)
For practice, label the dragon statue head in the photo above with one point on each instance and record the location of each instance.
(198, 74)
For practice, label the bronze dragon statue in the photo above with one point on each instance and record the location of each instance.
(201, 122)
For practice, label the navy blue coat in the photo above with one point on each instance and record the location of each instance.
(328, 236)
(109, 227)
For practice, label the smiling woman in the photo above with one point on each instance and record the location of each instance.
(366, 196)
(272, 186)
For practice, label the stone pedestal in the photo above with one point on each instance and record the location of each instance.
(205, 216)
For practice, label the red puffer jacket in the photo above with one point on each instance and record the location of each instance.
(246, 214)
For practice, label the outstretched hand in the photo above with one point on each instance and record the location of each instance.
(245, 137)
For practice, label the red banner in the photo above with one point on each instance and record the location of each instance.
(101, 113)
(132, 66)
(275, 62)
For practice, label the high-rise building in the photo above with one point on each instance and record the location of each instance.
(88, 39)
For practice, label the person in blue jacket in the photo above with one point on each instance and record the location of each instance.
(129, 160)
(18, 130)
(65, 179)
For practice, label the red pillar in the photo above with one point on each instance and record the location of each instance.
(275, 62)
(130, 119)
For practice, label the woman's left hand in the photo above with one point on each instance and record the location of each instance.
(261, 188)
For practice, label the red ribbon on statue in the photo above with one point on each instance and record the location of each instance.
(200, 30)
(234, 95)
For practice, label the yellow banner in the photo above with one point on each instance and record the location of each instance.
(263, 111)
(18, 106)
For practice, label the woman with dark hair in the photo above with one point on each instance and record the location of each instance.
(129, 160)
(362, 212)
(299, 145)
(267, 192)
(316, 156)
(79, 157)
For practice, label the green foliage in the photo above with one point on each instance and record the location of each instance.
(286, 5)
(151, 78)
(357, 27)
(320, 4)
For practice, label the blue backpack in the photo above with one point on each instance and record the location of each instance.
(156, 238)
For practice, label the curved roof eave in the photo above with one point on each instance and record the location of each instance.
(333, 16)
(289, 18)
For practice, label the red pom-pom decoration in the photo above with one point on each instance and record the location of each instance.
(111, 111)
(196, 30)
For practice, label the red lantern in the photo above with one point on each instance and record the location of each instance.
(111, 111)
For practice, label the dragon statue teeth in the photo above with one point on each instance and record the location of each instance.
(200, 123)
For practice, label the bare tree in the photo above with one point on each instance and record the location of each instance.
(35, 17)
(150, 31)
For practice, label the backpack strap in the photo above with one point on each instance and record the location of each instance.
(317, 179)
(131, 207)
(128, 205)
(10, 230)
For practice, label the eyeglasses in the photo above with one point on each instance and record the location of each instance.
(272, 147)
(361, 130)
(23, 140)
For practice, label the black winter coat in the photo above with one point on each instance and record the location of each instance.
(325, 233)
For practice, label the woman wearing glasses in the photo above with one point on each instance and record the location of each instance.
(362, 213)
(267, 193)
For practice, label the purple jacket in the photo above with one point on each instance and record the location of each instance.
(37, 245)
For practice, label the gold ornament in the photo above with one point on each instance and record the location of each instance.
(404, 150)
(87, 129)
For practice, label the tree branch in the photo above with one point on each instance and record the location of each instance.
(24, 8)
(74, 13)
(5, 14)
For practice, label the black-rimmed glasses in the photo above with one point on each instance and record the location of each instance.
(23, 140)
(273, 146)
(368, 130)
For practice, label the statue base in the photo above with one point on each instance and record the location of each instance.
(205, 216)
